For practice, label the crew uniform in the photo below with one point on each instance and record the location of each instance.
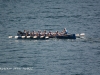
(65, 31)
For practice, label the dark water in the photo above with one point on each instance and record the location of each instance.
(50, 57)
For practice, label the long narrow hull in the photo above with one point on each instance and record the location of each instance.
(71, 36)
(68, 36)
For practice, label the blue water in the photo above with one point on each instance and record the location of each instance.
(53, 56)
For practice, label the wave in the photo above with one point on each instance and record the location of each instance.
(92, 40)
(64, 16)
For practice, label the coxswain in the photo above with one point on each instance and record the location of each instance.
(65, 31)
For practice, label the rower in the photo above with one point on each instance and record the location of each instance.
(32, 33)
(28, 33)
(39, 33)
(57, 33)
(45, 33)
(19, 33)
(50, 33)
(24, 33)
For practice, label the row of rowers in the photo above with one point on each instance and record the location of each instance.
(40, 33)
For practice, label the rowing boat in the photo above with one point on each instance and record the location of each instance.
(66, 36)
(69, 36)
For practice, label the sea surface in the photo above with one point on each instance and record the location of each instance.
(53, 56)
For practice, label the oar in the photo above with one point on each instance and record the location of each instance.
(46, 37)
(10, 36)
(80, 35)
